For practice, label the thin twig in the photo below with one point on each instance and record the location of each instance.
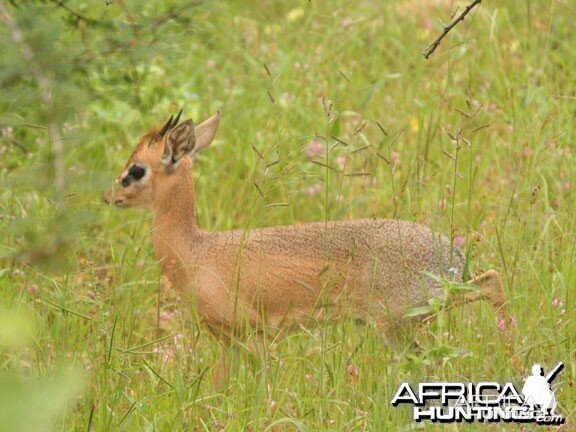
(45, 94)
(428, 52)
(172, 15)
(77, 15)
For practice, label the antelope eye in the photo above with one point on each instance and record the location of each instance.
(136, 172)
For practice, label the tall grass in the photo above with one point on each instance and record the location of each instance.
(476, 142)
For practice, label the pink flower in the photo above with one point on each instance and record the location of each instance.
(341, 162)
(314, 149)
(503, 326)
(395, 156)
(166, 315)
(312, 190)
(557, 303)
(459, 241)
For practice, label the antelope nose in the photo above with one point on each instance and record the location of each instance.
(108, 196)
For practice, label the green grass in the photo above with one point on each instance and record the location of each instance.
(80, 286)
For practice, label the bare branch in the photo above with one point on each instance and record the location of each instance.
(428, 52)
(172, 15)
(45, 94)
(77, 16)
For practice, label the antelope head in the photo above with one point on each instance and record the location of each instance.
(159, 155)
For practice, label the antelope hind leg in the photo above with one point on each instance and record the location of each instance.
(492, 290)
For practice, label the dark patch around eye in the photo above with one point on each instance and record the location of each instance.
(135, 173)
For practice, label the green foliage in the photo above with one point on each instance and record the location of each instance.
(27, 403)
(477, 142)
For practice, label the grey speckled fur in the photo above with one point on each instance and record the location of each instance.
(397, 255)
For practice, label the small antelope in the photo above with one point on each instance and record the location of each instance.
(282, 277)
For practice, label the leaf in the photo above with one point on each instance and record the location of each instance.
(418, 311)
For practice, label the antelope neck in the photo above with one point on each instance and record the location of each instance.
(173, 211)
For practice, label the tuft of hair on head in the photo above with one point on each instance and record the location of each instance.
(172, 122)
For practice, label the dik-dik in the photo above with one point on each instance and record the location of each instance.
(282, 277)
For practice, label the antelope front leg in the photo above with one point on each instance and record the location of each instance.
(256, 346)
(493, 291)
(259, 349)
(222, 371)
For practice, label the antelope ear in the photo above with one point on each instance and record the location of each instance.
(180, 141)
(205, 134)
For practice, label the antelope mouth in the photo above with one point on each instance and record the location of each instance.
(109, 199)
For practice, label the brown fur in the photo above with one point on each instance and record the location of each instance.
(281, 277)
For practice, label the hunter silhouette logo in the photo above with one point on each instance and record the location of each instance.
(537, 390)
(489, 401)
